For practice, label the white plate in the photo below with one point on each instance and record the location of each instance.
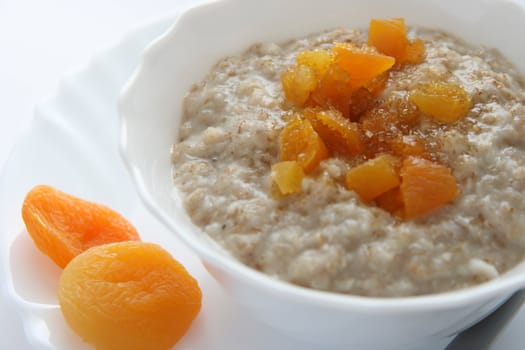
(72, 144)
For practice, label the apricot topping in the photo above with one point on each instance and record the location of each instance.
(329, 78)
(339, 134)
(333, 91)
(362, 64)
(415, 52)
(445, 102)
(340, 111)
(288, 176)
(374, 177)
(128, 296)
(298, 82)
(389, 36)
(300, 142)
(63, 226)
(391, 201)
(319, 60)
(425, 186)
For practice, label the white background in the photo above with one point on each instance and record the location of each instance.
(40, 40)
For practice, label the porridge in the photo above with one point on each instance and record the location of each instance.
(318, 229)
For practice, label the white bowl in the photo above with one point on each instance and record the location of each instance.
(150, 109)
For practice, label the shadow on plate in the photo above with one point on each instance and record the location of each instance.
(33, 274)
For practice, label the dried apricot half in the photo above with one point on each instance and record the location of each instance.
(128, 296)
(63, 226)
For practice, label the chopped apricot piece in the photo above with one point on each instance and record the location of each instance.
(408, 145)
(443, 101)
(383, 125)
(63, 226)
(298, 82)
(374, 177)
(320, 60)
(391, 201)
(377, 84)
(340, 135)
(415, 52)
(389, 36)
(288, 176)
(334, 90)
(300, 142)
(361, 101)
(362, 64)
(128, 296)
(425, 186)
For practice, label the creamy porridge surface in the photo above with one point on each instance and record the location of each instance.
(325, 237)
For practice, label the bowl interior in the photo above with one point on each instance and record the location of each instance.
(151, 104)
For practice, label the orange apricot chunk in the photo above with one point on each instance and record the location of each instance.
(63, 226)
(389, 36)
(377, 84)
(408, 145)
(444, 102)
(362, 64)
(361, 101)
(288, 175)
(415, 52)
(298, 82)
(320, 60)
(128, 296)
(391, 201)
(300, 142)
(333, 90)
(340, 135)
(425, 186)
(385, 124)
(374, 177)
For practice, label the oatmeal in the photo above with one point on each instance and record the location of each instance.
(325, 236)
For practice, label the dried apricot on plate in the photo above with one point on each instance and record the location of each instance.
(300, 142)
(389, 36)
(288, 176)
(425, 186)
(128, 296)
(63, 226)
(443, 101)
(374, 177)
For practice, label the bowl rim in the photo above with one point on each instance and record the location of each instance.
(503, 285)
